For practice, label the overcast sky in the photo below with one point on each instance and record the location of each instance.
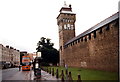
(24, 22)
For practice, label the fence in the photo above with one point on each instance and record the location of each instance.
(63, 76)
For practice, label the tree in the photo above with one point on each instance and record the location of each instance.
(48, 53)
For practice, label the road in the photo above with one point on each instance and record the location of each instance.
(8, 73)
(15, 74)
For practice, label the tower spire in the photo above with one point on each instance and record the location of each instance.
(65, 3)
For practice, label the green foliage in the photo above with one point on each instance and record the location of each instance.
(49, 54)
(89, 74)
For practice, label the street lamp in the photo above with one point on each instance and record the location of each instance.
(34, 57)
(37, 69)
(38, 54)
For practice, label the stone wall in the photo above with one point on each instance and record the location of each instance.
(96, 50)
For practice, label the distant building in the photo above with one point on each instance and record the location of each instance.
(32, 55)
(9, 54)
(96, 48)
(22, 53)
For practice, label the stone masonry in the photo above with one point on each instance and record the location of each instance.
(96, 48)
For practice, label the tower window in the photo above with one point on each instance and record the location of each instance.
(65, 27)
(61, 20)
(72, 27)
(68, 20)
(68, 25)
(65, 20)
(72, 20)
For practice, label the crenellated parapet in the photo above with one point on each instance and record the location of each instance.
(94, 32)
(96, 48)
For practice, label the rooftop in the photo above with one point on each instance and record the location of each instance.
(66, 9)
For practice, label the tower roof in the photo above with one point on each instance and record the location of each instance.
(66, 9)
(65, 5)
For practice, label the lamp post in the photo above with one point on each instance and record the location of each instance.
(37, 61)
(38, 54)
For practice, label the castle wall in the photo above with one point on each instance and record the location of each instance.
(99, 50)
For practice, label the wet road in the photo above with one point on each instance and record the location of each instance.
(15, 74)
(8, 73)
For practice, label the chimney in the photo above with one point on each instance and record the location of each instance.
(70, 5)
(7, 46)
(11, 47)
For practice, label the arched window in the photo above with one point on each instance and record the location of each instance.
(68, 25)
(65, 27)
(72, 27)
(66, 20)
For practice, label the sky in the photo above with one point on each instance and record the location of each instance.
(24, 22)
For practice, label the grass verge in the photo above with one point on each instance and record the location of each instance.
(88, 74)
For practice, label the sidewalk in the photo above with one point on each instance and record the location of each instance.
(44, 76)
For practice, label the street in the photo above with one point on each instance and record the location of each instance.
(15, 74)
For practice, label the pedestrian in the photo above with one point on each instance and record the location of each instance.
(66, 67)
(34, 68)
(19, 67)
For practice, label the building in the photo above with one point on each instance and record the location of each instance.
(32, 56)
(9, 54)
(24, 53)
(96, 48)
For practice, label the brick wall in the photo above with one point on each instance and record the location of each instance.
(98, 52)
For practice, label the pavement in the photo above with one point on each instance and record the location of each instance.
(44, 76)
(15, 74)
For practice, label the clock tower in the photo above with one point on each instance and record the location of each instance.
(66, 24)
